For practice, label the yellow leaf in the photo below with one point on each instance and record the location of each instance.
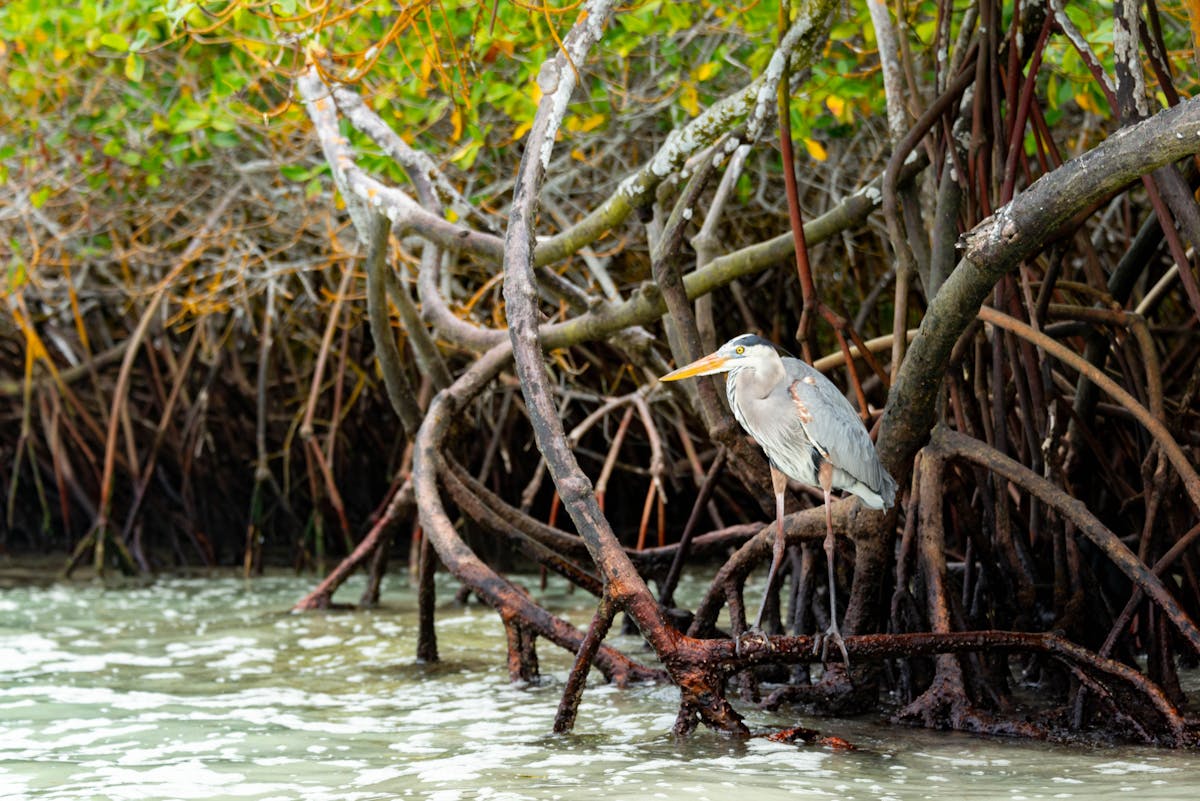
(135, 67)
(689, 99)
(456, 121)
(592, 122)
(521, 130)
(815, 149)
(1193, 9)
(578, 154)
(706, 71)
(465, 156)
(1085, 102)
(836, 106)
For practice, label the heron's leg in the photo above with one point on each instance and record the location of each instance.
(779, 484)
(825, 475)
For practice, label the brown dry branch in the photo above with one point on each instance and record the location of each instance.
(399, 507)
(1191, 481)
(99, 535)
(624, 588)
(1108, 542)
(510, 601)
(994, 248)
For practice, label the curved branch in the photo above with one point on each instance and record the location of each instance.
(422, 171)
(878, 344)
(1155, 427)
(623, 585)
(749, 105)
(642, 307)
(647, 303)
(1000, 242)
(1137, 324)
(808, 524)
(962, 446)
(321, 597)
(799, 650)
(473, 507)
(395, 380)
(460, 559)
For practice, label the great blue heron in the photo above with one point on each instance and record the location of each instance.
(809, 431)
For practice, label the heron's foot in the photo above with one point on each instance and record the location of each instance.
(749, 641)
(831, 636)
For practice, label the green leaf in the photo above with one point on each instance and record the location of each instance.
(464, 157)
(17, 275)
(39, 198)
(190, 122)
(141, 40)
(295, 172)
(177, 12)
(114, 41)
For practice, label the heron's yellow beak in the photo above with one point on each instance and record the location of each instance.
(706, 366)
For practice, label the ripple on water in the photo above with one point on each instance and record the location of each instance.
(204, 689)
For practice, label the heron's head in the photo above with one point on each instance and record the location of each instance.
(747, 350)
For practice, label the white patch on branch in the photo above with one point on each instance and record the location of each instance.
(1127, 58)
(358, 189)
(558, 77)
(889, 62)
(363, 118)
(756, 101)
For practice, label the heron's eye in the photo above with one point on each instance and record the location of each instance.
(739, 350)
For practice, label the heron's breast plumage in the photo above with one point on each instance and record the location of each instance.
(800, 419)
(775, 423)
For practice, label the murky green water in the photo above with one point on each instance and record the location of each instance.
(205, 689)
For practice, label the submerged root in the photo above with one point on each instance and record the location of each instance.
(945, 704)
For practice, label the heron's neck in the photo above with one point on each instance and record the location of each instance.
(758, 380)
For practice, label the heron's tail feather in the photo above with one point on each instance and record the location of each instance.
(875, 498)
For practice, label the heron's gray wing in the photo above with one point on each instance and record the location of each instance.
(834, 427)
